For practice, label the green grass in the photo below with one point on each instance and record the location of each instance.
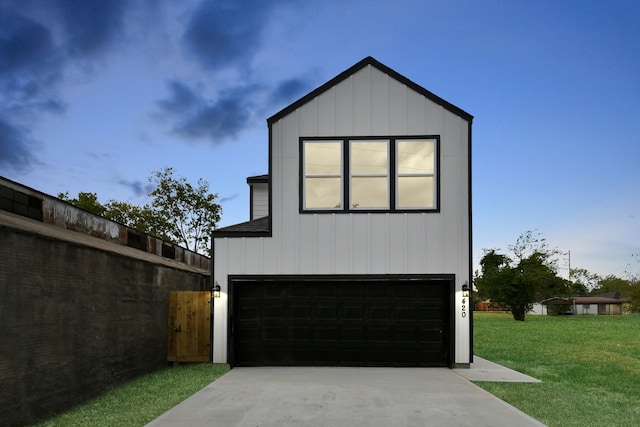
(143, 399)
(589, 365)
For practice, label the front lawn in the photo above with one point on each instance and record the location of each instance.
(143, 399)
(589, 365)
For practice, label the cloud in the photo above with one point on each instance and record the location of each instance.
(289, 90)
(217, 120)
(90, 26)
(228, 198)
(182, 99)
(138, 187)
(37, 45)
(15, 147)
(223, 34)
(220, 120)
(29, 62)
(40, 46)
(228, 113)
(23, 43)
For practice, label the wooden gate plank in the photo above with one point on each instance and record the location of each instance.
(171, 326)
(191, 328)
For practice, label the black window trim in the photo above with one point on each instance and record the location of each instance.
(345, 209)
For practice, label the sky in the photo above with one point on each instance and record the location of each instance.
(96, 96)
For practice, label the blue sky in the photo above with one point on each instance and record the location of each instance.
(95, 96)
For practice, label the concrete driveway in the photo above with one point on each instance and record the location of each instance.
(270, 396)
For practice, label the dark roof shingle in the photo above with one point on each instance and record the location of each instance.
(257, 227)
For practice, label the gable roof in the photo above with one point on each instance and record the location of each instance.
(354, 69)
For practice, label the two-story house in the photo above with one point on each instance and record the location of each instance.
(359, 243)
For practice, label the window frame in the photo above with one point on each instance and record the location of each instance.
(304, 175)
(351, 175)
(392, 177)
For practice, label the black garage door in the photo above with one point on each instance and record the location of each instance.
(340, 322)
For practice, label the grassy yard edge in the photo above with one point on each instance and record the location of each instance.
(143, 399)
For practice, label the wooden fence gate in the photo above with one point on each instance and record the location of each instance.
(189, 335)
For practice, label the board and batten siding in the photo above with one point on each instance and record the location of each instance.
(259, 200)
(368, 103)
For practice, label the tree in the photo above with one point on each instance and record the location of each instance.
(518, 281)
(142, 218)
(583, 280)
(613, 284)
(634, 279)
(179, 212)
(86, 201)
(622, 288)
(189, 215)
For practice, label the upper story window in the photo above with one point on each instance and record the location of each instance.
(323, 174)
(369, 174)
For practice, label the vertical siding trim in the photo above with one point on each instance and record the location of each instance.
(369, 253)
(405, 255)
(387, 246)
(314, 246)
(333, 244)
(470, 248)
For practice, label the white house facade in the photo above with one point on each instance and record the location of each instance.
(359, 243)
(258, 196)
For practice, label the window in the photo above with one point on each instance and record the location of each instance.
(369, 167)
(415, 177)
(323, 174)
(369, 174)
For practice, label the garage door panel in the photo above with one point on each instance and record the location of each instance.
(299, 290)
(439, 289)
(249, 312)
(353, 334)
(352, 312)
(301, 333)
(325, 333)
(276, 290)
(405, 313)
(327, 290)
(274, 333)
(353, 290)
(276, 353)
(303, 356)
(379, 311)
(249, 333)
(301, 311)
(431, 313)
(430, 336)
(273, 311)
(325, 311)
(401, 334)
(340, 323)
(250, 290)
(379, 334)
(404, 291)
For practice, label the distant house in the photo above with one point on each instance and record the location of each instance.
(601, 305)
(358, 245)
